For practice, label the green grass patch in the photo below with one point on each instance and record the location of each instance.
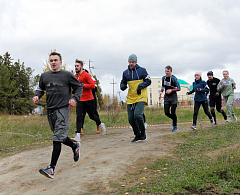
(209, 157)
(38, 125)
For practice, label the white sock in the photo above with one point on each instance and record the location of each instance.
(78, 135)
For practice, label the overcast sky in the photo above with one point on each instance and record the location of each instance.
(199, 35)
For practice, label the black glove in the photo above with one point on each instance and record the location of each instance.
(139, 89)
(124, 87)
(216, 94)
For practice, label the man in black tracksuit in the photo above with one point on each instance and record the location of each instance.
(215, 96)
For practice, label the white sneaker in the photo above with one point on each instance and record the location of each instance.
(76, 139)
(234, 119)
(212, 121)
(103, 128)
(193, 127)
(145, 124)
(229, 119)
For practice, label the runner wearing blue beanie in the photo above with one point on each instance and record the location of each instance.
(136, 79)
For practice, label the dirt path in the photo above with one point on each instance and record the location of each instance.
(102, 158)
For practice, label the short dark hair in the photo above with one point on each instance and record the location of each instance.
(210, 73)
(169, 67)
(56, 54)
(79, 61)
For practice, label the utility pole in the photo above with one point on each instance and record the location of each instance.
(90, 68)
(113, 87)
(120, 98)
(119, 95)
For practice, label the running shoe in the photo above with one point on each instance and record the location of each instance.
(48, 172)
(103, 128)
(76, 152)
(212, 121)
(175, 128)
(229, 119)
(234, 119)
(98, 129)
(136, 139)
(193, 127)
(76, 139)
(142, 138)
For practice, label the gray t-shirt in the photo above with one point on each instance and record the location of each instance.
(58, 87)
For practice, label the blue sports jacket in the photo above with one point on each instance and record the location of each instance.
(200, 96)
(135, 77)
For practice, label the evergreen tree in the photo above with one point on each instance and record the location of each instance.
(8, 89)
(23, 102)
(16, 86)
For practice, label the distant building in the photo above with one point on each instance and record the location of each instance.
(155, 88)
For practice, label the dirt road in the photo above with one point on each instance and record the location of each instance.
(103, 157)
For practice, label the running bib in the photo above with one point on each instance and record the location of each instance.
(227, 82)
(167, 83)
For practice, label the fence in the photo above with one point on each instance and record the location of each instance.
(187, 101)
(183, 101)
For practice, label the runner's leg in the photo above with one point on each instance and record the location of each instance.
(173, 113)
(131, 120)
(195, 114)
(138, 117)
(80, 110)
(90, 108)
(219, 107)
(205, 108)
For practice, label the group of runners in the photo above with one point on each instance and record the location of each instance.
(138, 79)
(63, 90)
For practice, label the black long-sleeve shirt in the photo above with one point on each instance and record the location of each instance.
(58, 88)
(212, 84)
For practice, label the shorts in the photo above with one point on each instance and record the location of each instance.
(172, 99)
(59, 122)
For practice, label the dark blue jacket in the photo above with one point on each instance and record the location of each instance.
(137, 73)
(200, 96)
(134, 77)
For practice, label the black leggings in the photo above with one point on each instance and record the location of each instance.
(171, 115)
(196, 109)
(81, 109)
(84, 114)
(144, 118)
(57, 146)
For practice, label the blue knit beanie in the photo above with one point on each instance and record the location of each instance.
(133, 57)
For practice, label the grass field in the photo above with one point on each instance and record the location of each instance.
(204, 160)
(38, 128)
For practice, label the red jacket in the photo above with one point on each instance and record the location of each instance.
(88, 82)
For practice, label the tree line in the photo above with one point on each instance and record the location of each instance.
(17, 86)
